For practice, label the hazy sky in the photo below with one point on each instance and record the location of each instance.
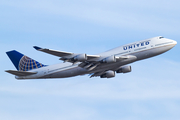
(150, 92)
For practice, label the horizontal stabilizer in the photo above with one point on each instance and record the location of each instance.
(20, 73)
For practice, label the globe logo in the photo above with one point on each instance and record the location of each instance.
(27, 64)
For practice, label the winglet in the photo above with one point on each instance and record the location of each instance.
(37, 48)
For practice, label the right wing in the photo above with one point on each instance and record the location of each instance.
(20, 73)
(53, 52)
(65, 56)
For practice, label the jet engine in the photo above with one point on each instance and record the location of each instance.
(124, 69)
(108, 74)
(110, 59)
(80, 57)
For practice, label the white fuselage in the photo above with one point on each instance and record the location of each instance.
(142, 50)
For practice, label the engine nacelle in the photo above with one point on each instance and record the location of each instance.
(124, 69)
(108, 74)
(110, 59)
(80, 57)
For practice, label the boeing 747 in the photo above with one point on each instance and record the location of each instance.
(103, 65)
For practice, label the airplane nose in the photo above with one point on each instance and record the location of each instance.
(174, 42)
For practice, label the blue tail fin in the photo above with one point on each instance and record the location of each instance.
(22, 62)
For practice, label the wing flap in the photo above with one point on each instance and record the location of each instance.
(20, 73)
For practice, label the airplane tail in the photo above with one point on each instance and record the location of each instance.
(22, 62)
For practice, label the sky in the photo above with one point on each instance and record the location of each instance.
(150, 91)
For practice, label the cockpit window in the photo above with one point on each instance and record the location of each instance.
(161, 37)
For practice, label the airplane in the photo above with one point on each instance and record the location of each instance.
(103, 65)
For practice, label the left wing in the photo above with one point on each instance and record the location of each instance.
(109, 73)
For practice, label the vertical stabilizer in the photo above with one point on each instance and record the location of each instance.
(22, 62)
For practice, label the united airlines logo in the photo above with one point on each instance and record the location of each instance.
(136, 45)
(27, 63)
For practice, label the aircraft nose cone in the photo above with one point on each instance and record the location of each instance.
(174, 42)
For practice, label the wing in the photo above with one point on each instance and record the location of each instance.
(88, 62)
(53, 52)
(67, 56)
(20, 73)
